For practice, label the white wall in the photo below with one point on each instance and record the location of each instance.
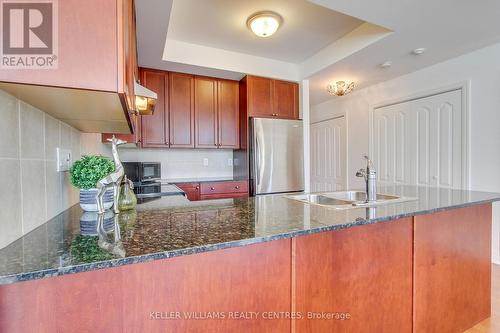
(480, 69)
(32, 190)
(175, 163)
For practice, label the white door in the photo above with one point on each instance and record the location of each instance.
(420, 142)
(328, 155)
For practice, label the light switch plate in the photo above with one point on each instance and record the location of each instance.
(229, 162)
(205, 162)
(64, 159)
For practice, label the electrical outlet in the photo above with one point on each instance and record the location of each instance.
(229, 162)
(64, 159)
(205, 162)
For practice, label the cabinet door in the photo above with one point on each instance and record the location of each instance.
(181, 110)
(205, 108)
(285, 99)
(452, 269)
(228, 114)
(259, 97)
(154, 127)
(365, 272)
(192, 190)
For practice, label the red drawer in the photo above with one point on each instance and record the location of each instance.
(224, 187)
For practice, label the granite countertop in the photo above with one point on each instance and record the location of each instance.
(170, 226)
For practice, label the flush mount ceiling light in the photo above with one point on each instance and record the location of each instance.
(418, 51)
(264, 24)
(386, 64)
(340, 88)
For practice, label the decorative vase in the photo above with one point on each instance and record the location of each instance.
(88, 200)
(127, 199)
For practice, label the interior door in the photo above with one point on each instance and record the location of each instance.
(328, 155)
(419, 142)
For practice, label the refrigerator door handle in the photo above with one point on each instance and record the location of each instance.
(257, 160)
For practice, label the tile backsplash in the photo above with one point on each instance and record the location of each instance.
(32, 190)
(175, 163)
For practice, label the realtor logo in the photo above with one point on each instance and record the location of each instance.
(29, 34)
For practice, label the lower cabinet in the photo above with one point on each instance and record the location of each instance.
(452, 264)
(214, 190)
(354, 280)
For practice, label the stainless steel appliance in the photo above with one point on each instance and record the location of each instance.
(276, 156)
(140, 172)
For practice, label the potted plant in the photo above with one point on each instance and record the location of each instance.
(85, 173)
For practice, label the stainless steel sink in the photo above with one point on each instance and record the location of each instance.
(347, 199)
(359, 196)
(319, 199)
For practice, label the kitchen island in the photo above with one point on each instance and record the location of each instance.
(265, 264)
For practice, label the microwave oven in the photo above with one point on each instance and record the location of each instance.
(142, 172)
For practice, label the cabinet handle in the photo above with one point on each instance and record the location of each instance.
(212, 189)
(237, 187)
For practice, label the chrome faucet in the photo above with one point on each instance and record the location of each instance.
(370, 176)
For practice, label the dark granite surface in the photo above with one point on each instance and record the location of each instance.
(172, 226)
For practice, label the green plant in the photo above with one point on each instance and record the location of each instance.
(86, 172)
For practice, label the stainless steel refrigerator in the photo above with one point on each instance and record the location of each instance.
(276, 156)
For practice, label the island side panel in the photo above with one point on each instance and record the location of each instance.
(145, 297)
(80, 302)
(253, 278)
(452, 260)
(364, 271)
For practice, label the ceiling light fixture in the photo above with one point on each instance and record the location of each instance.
(340, 88)
(418, 51)
(264, 24)
(386, 64)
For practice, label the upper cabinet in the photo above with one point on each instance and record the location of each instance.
(271, 98)
(181, 110)
(216, 113)
(96, 57)
(191, 111)
(154, 128)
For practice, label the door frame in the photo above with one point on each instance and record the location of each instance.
(346, 143)
(464, 87)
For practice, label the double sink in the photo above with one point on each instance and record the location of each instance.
(347, 199)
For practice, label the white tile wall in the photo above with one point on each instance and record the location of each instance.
(175, 163)
(32, 190)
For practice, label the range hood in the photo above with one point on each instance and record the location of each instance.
(145, 99)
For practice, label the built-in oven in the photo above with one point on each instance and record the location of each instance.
(148, 190)
(141, 172)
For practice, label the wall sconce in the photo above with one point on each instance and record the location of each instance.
(340, 88)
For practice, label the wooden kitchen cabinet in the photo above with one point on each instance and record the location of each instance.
(271, 98)
(97, 66)
(228, 115)
(214, 190)
(216, 113)
(364, 271)
(181, 110)
(205, 107)
(155, 127)
(192, 190)
(285, 99)
(452, 269)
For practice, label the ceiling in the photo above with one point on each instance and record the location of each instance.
(306, 28)
(320, 40)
